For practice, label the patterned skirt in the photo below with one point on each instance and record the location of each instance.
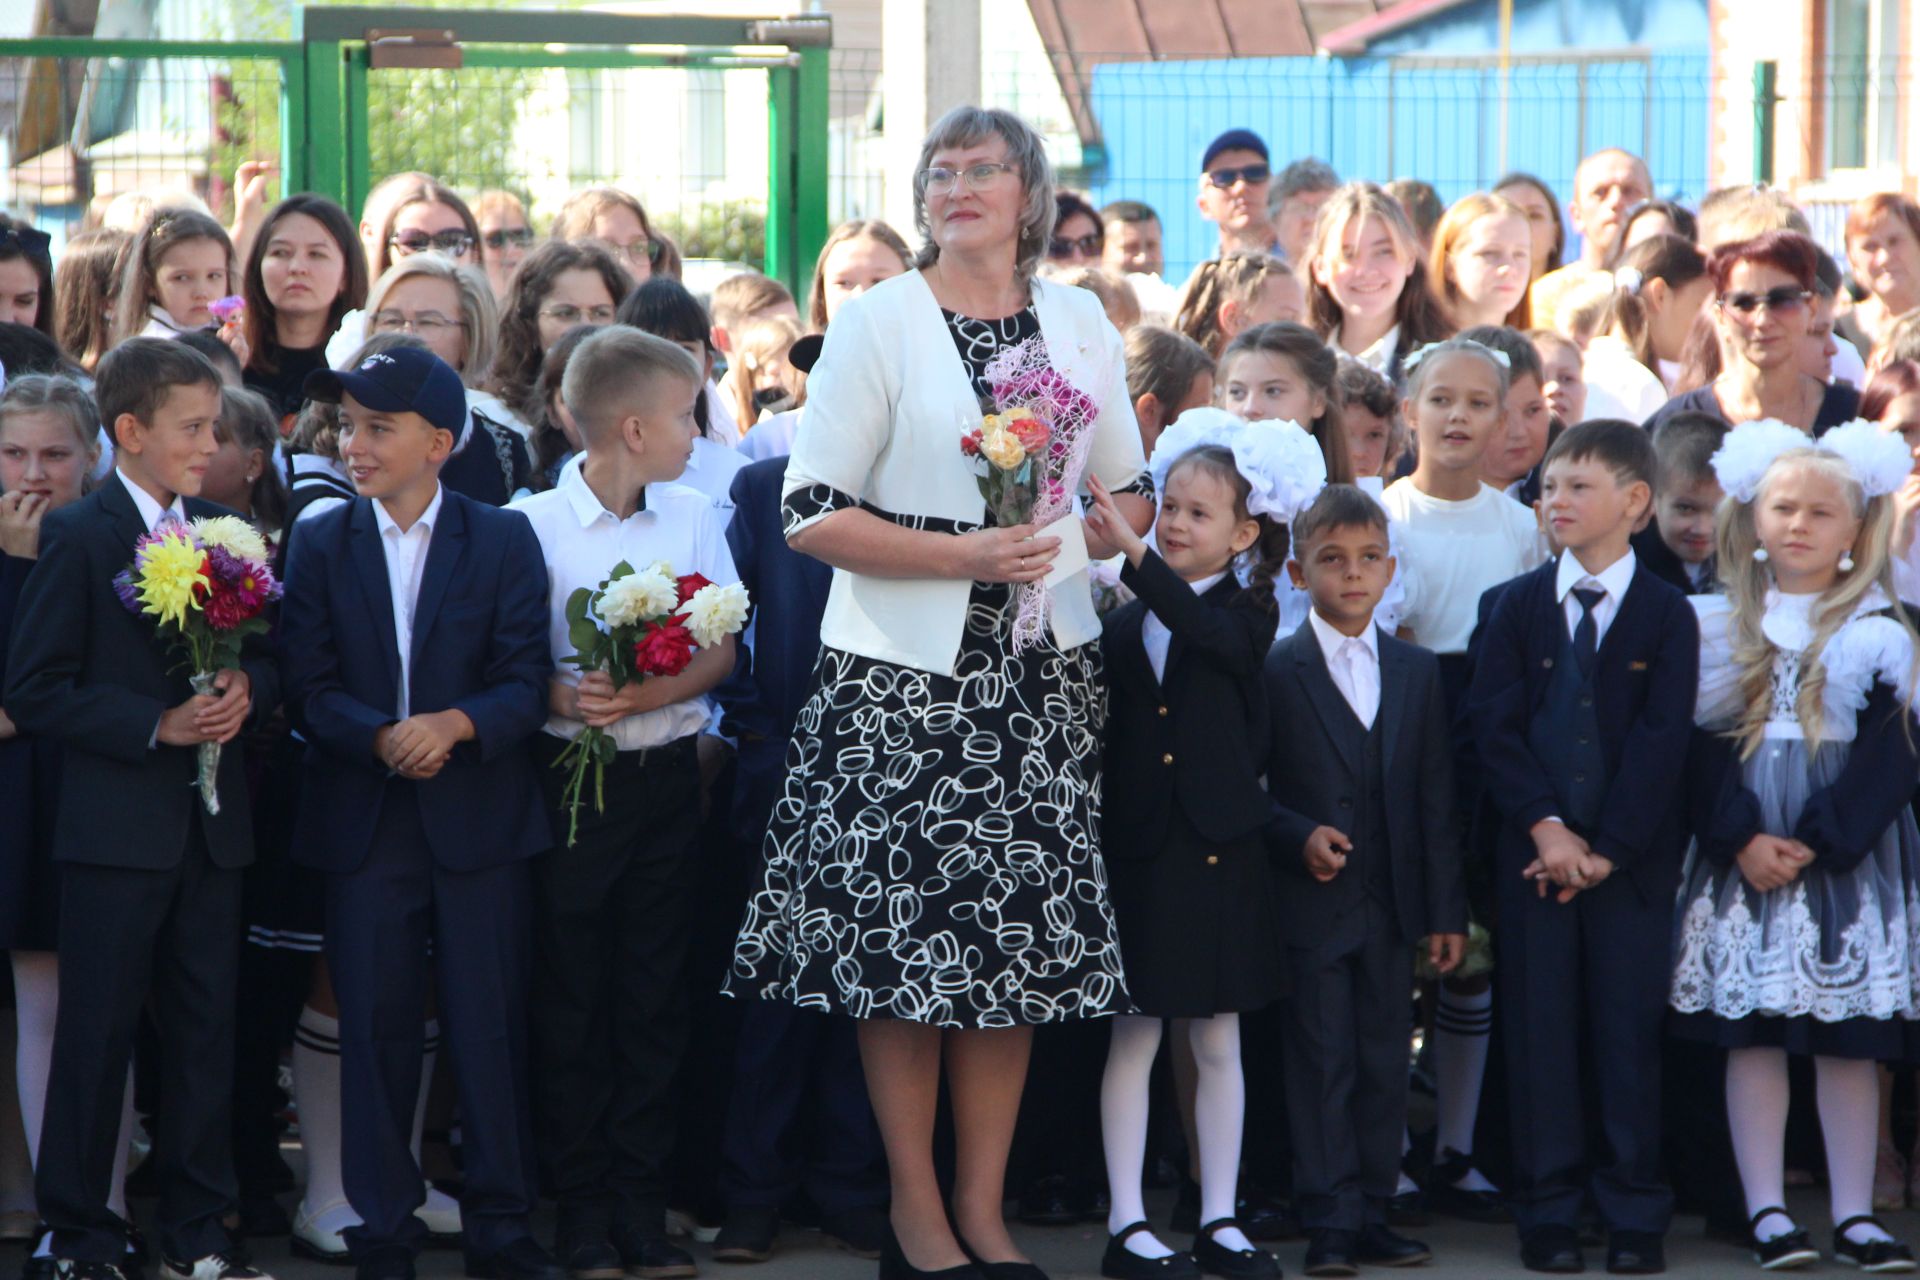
(934, 852)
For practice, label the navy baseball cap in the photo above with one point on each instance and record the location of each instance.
(399, 380)
(1234, 140)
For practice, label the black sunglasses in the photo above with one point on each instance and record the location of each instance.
(500, 239)
(26, 239)
(1784, 299)
(454, 244)
(1085, 246)
(1251, 174)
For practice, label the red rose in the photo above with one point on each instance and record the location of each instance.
(664, 649)
(690, 583)
(1030, 432)
(970, 444)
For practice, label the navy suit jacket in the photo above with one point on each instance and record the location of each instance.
(479, 645)
(774, 673)
(87, 672)
(1645, 682)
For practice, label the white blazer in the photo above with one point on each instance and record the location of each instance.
(886, 407)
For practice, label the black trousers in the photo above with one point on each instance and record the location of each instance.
(127, 936)
(612, 919)
(381, 922)
(1583, 992)
(1349, 1021)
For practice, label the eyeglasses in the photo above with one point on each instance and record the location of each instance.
(500, 238)
(1080, 246)
(1780, 301)
(455, 244)
(426, 324)
(647, 251)
(940, 180)
(566, 313)
(1251, 174)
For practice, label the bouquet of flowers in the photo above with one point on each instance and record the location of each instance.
(635, 624)
(206, 585)
(1028, 455)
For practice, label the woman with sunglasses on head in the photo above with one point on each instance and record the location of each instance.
(559, 285)
(26, 275)
(406, 214)
(617, 219)
(1761, 308)
(506, 233)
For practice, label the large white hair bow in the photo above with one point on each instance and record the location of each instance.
(1280, 461)
(1879, 460)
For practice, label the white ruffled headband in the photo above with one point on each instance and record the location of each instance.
(1280, 461)
(1413, 358)
(1879, 460)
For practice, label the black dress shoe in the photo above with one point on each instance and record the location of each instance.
(1330, 1252)
(1408, 1209)
(587, 1254)
(1555, 1250)
(894, 1266)
(1122, 1263)
(862, 1231)
(650, 1255)
(384, 1264)
(1443, 1196)
(747, 1235)
(1380, 1247)
(1636, 1253)
(1048, 1202)
(521, 1259)
(1881, 1257)
(1785, 1252)
(1233, 1264)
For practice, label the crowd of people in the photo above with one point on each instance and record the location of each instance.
(1417, 631)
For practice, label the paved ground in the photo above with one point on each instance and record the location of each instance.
(1461, 1251)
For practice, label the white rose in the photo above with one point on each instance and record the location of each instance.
(716, 612)
(643, 594)
(232, 535)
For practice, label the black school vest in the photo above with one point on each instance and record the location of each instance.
(1565, 738)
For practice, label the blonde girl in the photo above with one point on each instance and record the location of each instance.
(1366, 292)
(1480, 263)
(1227, 296)
(177, 266)
(1797, 907)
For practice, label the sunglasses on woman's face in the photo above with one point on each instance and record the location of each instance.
(500, 238)
(1081, 246)
(1779, 301)
(455, 244)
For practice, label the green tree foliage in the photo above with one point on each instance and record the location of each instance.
(733, 231)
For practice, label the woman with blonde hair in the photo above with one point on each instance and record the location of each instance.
(1481, 260)
(1367, 294)
(610, 215)
(858, 254)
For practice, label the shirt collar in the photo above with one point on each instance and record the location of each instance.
(427, 518)
(580, 496)
(150, 511)
(1613, 579)
(1332, 641)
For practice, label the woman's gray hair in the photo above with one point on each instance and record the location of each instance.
(967, 126)
(477, 309)
(63, 397)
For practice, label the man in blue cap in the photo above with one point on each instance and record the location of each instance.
(1234, 178)
(414, 633)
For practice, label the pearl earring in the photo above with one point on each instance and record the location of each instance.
(1846, 562)
(1760, 555)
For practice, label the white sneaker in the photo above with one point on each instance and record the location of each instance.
(215, 1266)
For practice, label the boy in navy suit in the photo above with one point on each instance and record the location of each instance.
(1361, 780)
(1678, 543)
(150, 881)
(414, 645)
(1582, 709)
(613, 912)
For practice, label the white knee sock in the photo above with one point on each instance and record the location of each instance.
(1849, 1095)
(438, 1201)
(1757, 1096)
(1219, 1115)
(36, 994)
(316, 1092)
(1124, 1093)
(16, 1160)
(1461, 1025)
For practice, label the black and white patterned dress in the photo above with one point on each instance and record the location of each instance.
(934, 853)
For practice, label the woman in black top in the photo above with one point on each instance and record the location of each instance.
(304, 273)
(1762, 305)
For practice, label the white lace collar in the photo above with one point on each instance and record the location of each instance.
(1788, 621)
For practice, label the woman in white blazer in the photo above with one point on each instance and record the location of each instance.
(933, 865)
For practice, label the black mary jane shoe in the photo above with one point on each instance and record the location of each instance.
(1781, 1253)
(894, 1266)
(1232, 1264)
(1879, 1257)
(1122, 1263)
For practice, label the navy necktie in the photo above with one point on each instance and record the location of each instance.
(1586, 636)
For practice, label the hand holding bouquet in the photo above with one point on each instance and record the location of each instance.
(635, 624)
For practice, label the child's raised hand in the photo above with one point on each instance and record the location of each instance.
(1326, 853)
(1109, 526)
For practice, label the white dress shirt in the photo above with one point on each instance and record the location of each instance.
(1377, 357)
(406, 552)
(151, 512)
(1614, 580)
(1155, 636)
(710, 471)
(1354, 664)
(582, 541)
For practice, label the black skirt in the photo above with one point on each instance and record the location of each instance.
(1199, 931)
(29, 877)
(1893, 1040)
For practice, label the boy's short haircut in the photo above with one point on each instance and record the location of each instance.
(615, 367)
(1523, 357)
(1684, 446)
(137, 376)
(1339, 506)
(217, 352)
(1620, 446)
(742, 296)
(1127, 211)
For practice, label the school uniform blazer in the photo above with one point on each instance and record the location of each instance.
(886, 407)
(1645, 680)
(479, 645)
(87, 672)
(1191, 739)
(1314, 780)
